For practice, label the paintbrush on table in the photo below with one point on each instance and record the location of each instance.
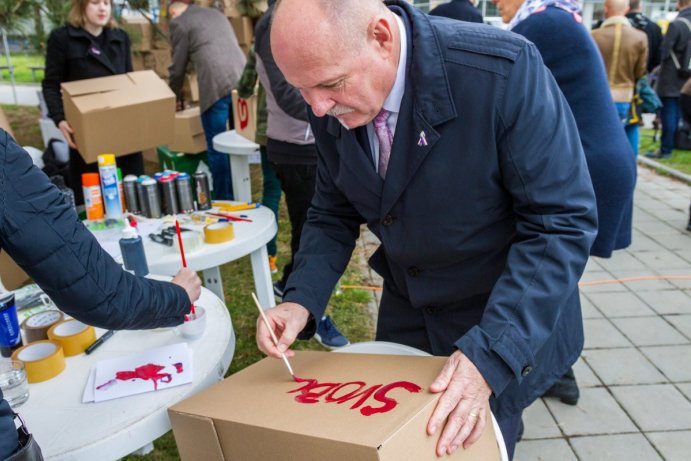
(273, 336)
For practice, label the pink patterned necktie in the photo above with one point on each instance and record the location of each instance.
(385, 137)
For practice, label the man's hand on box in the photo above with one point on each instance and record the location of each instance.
(68, 133)
(464, 402)
(287, 320)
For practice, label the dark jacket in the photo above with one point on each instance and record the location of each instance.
(289, 135)
(204, 37)
(654, 33)
(43, 235)
(669, 83)
(581, 76)
(487, 211)
(72, 55)
(462, 10)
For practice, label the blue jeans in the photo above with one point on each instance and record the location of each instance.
(670, 115)
(214, 121)
(631, 129)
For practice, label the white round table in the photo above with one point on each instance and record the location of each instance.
(250, 239)
(387, 348)
(239, 149)
(67, 429)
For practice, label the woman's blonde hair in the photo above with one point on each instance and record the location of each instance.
(77, 16)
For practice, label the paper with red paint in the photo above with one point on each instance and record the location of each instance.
(152, 370)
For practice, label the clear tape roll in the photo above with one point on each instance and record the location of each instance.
(73, 335)
(219, 232)
(36, 326)
(43, 360)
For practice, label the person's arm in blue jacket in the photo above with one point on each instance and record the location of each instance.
(43, 235)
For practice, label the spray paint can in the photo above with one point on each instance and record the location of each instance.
(152, 198)
(93, 201)
(203, 193)
(168, 195)
(183, 184)
(132, 249)
(121, 190)
(131, 200)
(109, 185)
(10, 336)
(141, 195)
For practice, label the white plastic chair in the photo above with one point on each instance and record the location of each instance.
(387, 348)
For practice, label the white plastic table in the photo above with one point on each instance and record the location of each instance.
(384, 347)
(239, 149)
(250, 239)
(67, 429)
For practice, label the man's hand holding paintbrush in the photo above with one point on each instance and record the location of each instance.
(287, 320)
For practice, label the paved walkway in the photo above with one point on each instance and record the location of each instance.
(635, 371)
(26, 95)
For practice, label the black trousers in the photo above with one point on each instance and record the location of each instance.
(297, 182)
(129, 164)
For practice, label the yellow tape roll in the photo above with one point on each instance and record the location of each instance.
(36, 327)
(73, 335)
(43, 360)
(219, 233)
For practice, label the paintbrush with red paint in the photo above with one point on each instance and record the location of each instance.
(273, 335)
(182, 253)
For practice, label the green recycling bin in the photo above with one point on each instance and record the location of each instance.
(184, 163)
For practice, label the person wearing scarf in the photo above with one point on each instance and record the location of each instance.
(567, 49)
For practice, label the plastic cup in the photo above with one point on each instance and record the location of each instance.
(194, 327)
(15, 388)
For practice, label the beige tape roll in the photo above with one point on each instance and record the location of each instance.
(43, 360)
(73, 335)
(36, 327)
(219, 233)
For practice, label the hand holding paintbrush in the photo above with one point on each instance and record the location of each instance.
(273, 335)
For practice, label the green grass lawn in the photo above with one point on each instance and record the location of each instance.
(681, 159)
(22, 72)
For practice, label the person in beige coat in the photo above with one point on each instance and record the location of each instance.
(624, 50)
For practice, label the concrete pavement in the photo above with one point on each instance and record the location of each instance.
(635, 370)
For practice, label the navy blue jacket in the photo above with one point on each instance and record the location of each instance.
(462, 10)
(497, 208)
(43, 235)
(580, 74)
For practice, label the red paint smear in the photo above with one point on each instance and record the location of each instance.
(178, 367)
(146, 372)
(312, 391)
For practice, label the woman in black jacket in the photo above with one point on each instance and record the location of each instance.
(88, 46)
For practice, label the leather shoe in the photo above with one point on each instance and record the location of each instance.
(565, 389)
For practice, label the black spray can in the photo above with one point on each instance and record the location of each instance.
(131, 199)
(183, 184)
(152, 198)
(169, 196)
(203, 194)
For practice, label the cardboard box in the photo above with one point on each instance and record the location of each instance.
(119, 114)
(138, 61)
(11, 275)
(245, 116)
(244, 30)
(4, 123)
(361, 407)
(190, 88)
(159, 62)
(140, 32)
(189, 134)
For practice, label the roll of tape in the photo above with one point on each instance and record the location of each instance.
(43, 360)
(219, 233)
(36, 327)
(191, 241)
(73, 335)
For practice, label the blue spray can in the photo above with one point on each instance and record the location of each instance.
(109, 185)
(10, 336)
(132, 249)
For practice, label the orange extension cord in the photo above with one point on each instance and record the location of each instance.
(581, 284)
